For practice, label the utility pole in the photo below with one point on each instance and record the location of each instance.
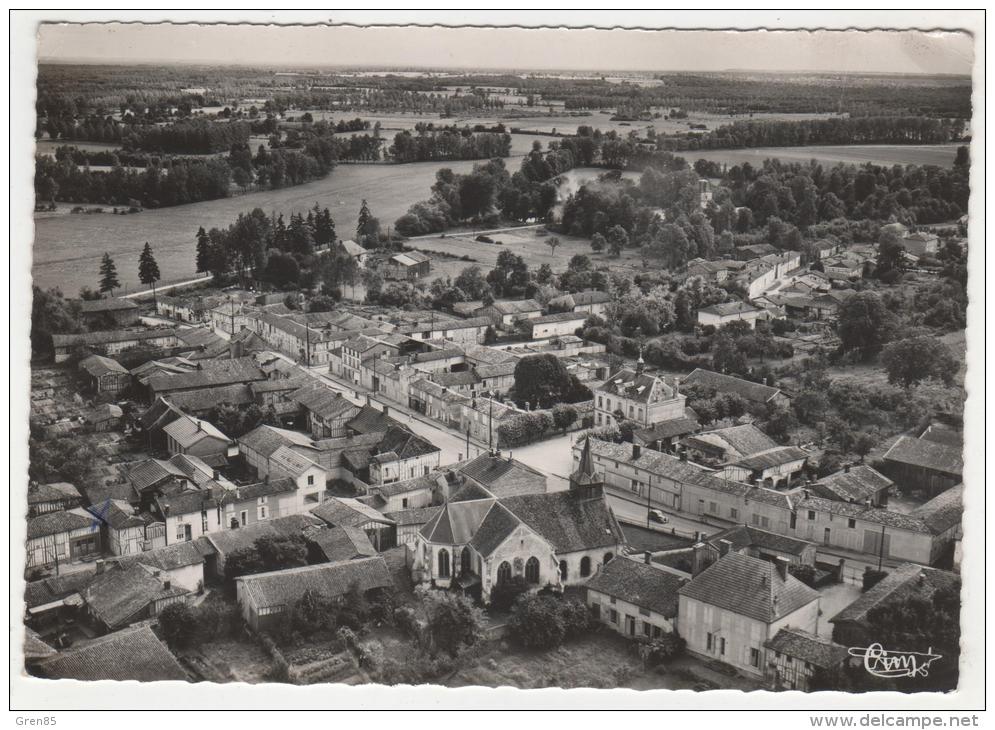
(881, 551)
(490, 422)
(307, 334)
(649, 504)
(232, 315)
(467, 442)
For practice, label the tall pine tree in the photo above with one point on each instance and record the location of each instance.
(108, 275)
(364, 219)
(203, 251)
(148, 270)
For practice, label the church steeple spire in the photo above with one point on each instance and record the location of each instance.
(585, 482)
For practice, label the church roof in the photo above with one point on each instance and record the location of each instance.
(585, 474)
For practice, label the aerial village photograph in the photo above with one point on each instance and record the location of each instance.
(381, 355)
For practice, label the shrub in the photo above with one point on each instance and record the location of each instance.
(804, 573)
(667, 647)
(537, 622)
(179, 626)
(504, 594)
(873, 577)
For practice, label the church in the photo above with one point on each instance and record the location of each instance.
(554, 539)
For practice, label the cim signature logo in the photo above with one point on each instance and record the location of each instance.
(883, 663)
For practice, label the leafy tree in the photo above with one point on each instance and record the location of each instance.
(726, 356)
(598, 243)
(281, 270)
(179, 625)
(617, 239)
(543, 381)
(504, 594)
(553, 242)
(541, 621)
(865, 323)
(564, 416)
(453, 621)
(472, 283)
(148, 269)
(51, 314)
(912, 360)
(108, 275)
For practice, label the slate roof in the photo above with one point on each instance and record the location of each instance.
(342, 543)
(118, 595)
(346, 512)
(497, 473)
(497, 525)
(133, 654)
(634, 386)
(806, 647)
(54, 523)
(98, 365)
(926, 454)
(566, 522)
(754, 392)
(285, 587)
(187, 431)
(743, 536)
(457, 522)
(638, 583)
(859, 483)
(469, 492)
(903, 582)
(749, 587)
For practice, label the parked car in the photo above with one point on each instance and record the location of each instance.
(658, 516)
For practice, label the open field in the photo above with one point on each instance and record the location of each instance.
(68, 248)
(48, 146)
(941, 155)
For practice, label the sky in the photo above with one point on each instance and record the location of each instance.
(510, 48)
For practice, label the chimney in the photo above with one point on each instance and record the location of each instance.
(846, 469)
(724, 547)
(684, 455)
(637, 451)
(156, 574)
(216, 475)
(100, 565)
(167, 584)
(647, 557)
(386, 410)
(805, 493)
(763, 580)
(758, 483)
(782, 567)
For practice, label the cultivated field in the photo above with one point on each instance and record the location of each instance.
(941, 155)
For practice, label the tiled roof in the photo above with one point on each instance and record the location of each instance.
(251, 492)
(777, 456)
(469, 492)
(943, 511)
(495, 528)
(590, 296)
(107, 336)
(640, 584)
(229, 541)
(285, 587)
(634, 386)
(159, 412)
(427, 481)
(169, 557)
(130, 655)
(324, 402)
(859, 511)
(560, 317)
(754, 392)
(503, 476)
(667, 429)
(806, 647)
(205, 399)
(224, 372)
(116, 513)
(497, 370)
(54, 523)
(727, 309)
(40, 592)
(267, 439)
(567, 522)
(856, 484)
(943, 434)
(449, 380)
(34, 647)
(405, 444)
(98, 365)
(904, 581)
(187, 431)
(113, 304)
(457, 523)
(54, 492)
(291, 462)
(418, 516)
(342, 543)
(927, 454)
(118, 595)
(346, 512)
(743, 440)
(521, 306)
(370, 420)
(743, 536)
(749, 587)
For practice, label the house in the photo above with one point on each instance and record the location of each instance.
(118, 598)
(438, 403)
(587, 302)
(855, 483)
(461, 331)
(793, 655)
(125, 656)
(105, 377)
(122, 529)
(634, 598)
(633, 395)
(554, 325)
(154, 419)
(182, 564)
(731, 609)
(718, 315)
(326, 409)
(408, 266)
(851, 626)
(309, 477)
(756, 394)
(113, 342)
(714, 272)
(186, 309)
(921, 244)
(665, 435)
(114, 311)
(334, 544)
(410, 493)
(758, 543)
(501, 476)
(347, 512)
(775, 468)
(924, 465)
(823, 248)
(196, 437)
(62, 537)
(53, 497)
(241, 371)
(844, 266)
(360, 254)
(104, 417)
(753, 251)
(217, 546)
(35, 651)
(400, 454)
(505, 313)
(410, 521)
(265, 596)
(722, 445)
(498, 377)
(555, 539)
